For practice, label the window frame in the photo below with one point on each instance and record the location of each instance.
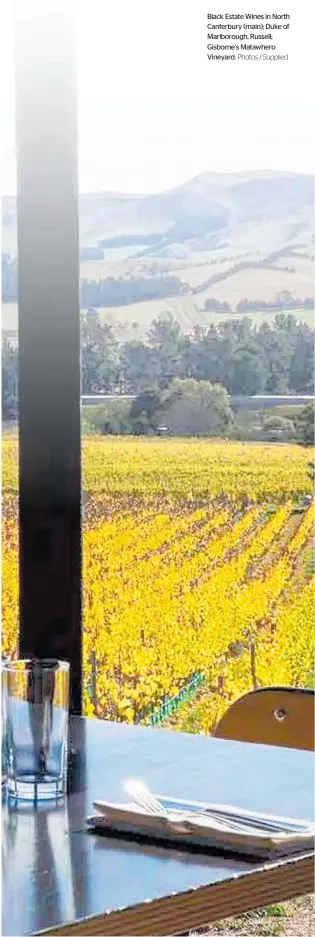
(49, 337)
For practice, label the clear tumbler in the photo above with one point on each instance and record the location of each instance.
(36, 696)
(4, 661)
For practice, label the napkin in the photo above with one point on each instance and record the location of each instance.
(209, 826)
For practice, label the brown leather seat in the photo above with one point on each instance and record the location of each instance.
(281, 716)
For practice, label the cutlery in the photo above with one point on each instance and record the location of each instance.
(234, 821)
(152, 805)
(142, 796)
(263, 823)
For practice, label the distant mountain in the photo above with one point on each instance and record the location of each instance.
(241, 238)
(208, 212)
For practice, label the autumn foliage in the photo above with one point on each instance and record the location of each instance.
(194, 561)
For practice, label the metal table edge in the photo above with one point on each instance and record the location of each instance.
(201, 905)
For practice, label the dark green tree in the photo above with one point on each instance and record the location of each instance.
(302, 361)
(136, 365)
(145, 410)
(164, 339)
(9, 279)
(99, 355)
(197, 408)
(9, 381)
(304, 424)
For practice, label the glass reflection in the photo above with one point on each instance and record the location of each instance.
(37, 867)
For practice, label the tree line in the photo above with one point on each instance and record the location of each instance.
(244, 358)
(232, 358)
(283, 300)
(123, 292)
(113, 291)
(109, 291)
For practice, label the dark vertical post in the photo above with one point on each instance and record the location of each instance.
(49, 335)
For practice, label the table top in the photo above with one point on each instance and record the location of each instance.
(55, 874)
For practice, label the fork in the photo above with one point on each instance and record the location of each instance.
(142, 796)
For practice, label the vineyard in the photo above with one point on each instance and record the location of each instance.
(197, 579)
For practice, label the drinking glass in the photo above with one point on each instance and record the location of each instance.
(4, 661)
(37, 713)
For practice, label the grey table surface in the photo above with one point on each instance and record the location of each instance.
(55, 873)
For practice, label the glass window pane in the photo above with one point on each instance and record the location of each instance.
(196, 529)
(197, 493)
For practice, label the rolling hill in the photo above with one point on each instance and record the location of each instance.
(225, 236)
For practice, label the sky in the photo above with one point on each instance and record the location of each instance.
(153, 112)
